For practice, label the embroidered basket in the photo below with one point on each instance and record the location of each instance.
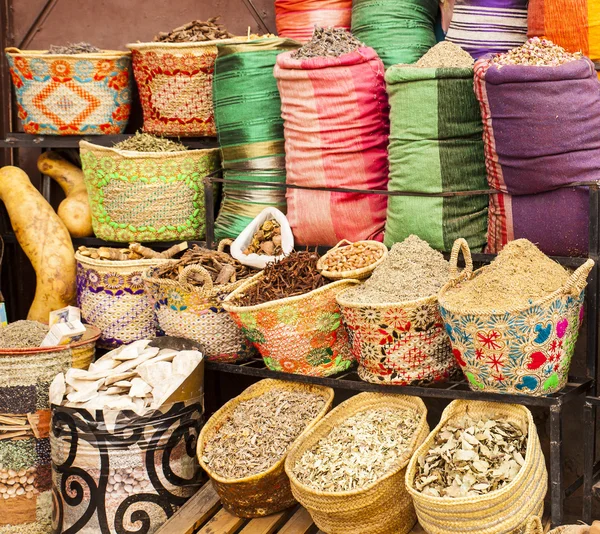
(302, 334)
(507, 510)
(146, 196)
(175, 85)
(111, 296)
(383, 507)
(80, 94)
(524, 350)
(268, 492)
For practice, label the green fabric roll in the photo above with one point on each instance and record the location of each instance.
(436, 146)
(401, 31)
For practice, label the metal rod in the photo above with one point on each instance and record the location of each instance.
(589, 454)
(256, 15)
(556, 466)
(37, 23)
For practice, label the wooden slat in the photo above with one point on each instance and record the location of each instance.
(195, 512)
(266, 525)
(222, 523)
(299, 523)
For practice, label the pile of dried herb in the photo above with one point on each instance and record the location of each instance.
(266, 240)
(74, 48)
(445, 55)
(136, 251)
(22, 335)
(294, 275)
(358, 451)
(328, 42)
(537, 52)
(143, 142)
(259, 432)
(195, 31)
(472, 456)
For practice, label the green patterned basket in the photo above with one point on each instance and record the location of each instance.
(146, 196)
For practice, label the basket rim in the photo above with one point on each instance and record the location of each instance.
(145, 262)
(103, 54)
(326, 392)
(338, 275)
(200, 44)
(134, 154)
(92, 334)
(364, 401)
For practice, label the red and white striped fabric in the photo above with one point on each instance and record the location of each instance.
(296, 19)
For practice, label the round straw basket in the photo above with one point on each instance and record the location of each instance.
(506, 510)
(525, 349)
(268, 492)
(383, 507)
(357, 274)
(71, 94)
(302, 334)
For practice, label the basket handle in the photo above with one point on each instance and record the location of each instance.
(12, 50)
(578, 280)
(342, 243)
(197, 269)
(223, 243)
(460, 245)
(534, 525)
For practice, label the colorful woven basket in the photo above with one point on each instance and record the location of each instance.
(111, 296)
(268, 492)
(82, 94)
(383, 507)
(506, 510)
(146, 196)
(524, 350)
(302, 335)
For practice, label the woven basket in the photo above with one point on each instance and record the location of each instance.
(383, 507)
(524, 350)
(302, 335)
(356, 274)
(146, 196)
(111, 296)
(175, 85)
(574, 529)
(81, 94)
(268, 492)
(506, 510)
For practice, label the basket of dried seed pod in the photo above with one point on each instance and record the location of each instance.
(352, 260)
(243, 446)
(481, 469)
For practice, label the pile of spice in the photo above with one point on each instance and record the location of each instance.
(412, 270)
(537, 52)
(358, 451)
(143, 142)
(294, 275)
(472, 456)
(195, 31)
(445, 55)
(22, 335)
(266, 240)
(74, 48)
(518, 276)
(354, 256)
(136, 251)
(328, 42)
(260, 431)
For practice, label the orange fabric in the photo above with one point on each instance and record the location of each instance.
(297, 19)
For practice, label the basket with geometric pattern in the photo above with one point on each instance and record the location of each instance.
(71, 94)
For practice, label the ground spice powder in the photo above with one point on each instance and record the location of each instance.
(445, 55)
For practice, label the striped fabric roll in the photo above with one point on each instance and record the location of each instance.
(488, 26)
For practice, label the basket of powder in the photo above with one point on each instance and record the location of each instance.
(513, 324)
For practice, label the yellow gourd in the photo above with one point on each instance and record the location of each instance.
(75, 209)
(44, 238)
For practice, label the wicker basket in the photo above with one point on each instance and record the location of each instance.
(268, 492)
(506, 510)
(355, 274)
(302, 335)
(524, 350)
(383, 507)
(81, 94)
(111, 296)
(146, 196)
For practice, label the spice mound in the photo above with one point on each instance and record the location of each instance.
(195, 31)
(143, 142)
(74, 48)
(472, 456)
(136, 251)
(266, 240)
(537, 52)
(259, 432)
(294, 275)
(328, 42)
(412, 270)
(349, 258)
(518, 276)
(445, 55)
(359, 451)
(22, 335)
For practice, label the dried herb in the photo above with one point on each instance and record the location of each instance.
(266, 240)
(17, 454)
(136, 251)
(358, 451)
(328, 42)
(260, 431)
(472, 456)
(74, 48)
(538, 53)
(22, 335)
(143, 142)
(294, 275)
(195, 31)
